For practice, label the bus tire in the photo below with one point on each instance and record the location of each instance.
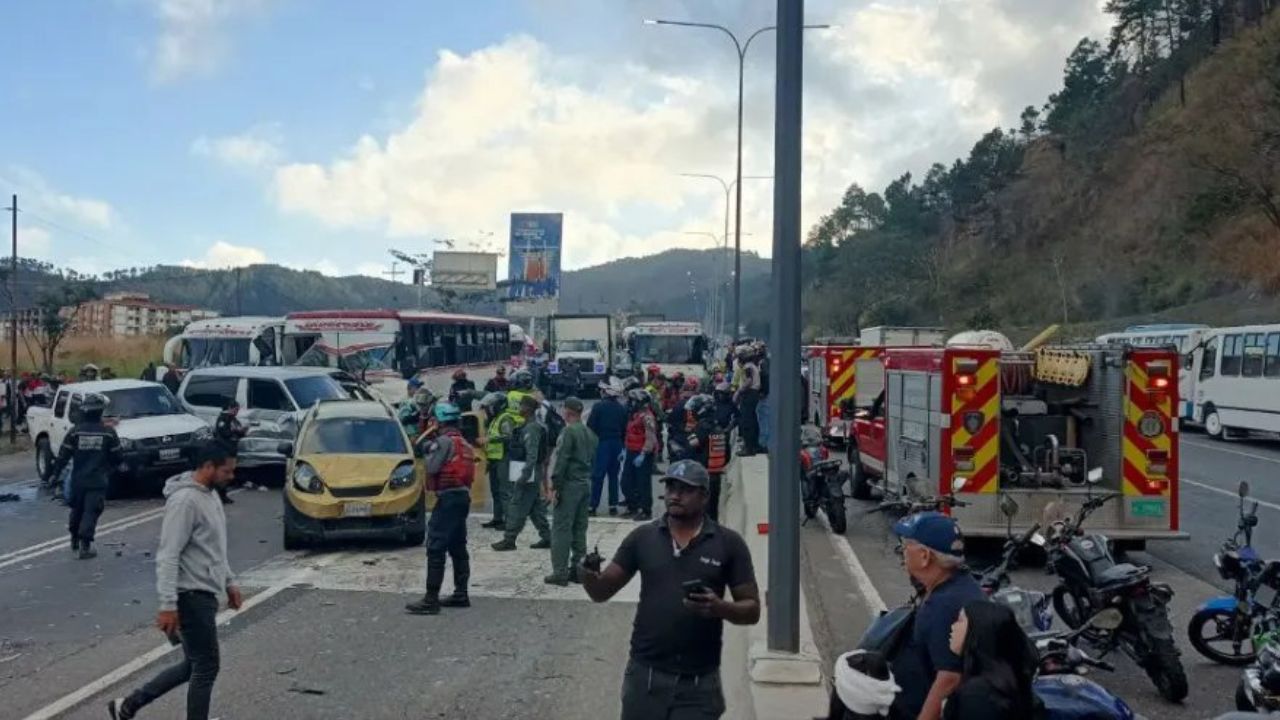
(1213, 426)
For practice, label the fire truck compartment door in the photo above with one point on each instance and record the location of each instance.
(870, 374)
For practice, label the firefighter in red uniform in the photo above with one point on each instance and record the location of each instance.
(641, 445)
(709, 445)
(451, 467)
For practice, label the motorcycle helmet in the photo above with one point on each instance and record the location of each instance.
(700, 405)
(494, 402)
(447, 412)
(653, 371)
(424, 398)
(691, 383)
(522, 380)
(631, 383)
(638, 398)
(809, 436)
(93, 406)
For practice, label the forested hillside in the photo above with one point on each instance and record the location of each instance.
(1149, 181)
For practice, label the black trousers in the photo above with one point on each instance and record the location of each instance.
(748, 421)
(197, 615)
(447, 537)
(649, 694)
(86, 508)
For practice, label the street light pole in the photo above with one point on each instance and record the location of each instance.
(742, 48)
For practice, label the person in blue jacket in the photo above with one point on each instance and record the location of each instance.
(608, 420)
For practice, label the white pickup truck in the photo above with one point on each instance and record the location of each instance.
(157, 436)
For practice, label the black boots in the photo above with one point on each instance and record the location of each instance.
(428, 605)
(456, 600)
(86, 550)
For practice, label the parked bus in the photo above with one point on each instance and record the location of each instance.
(386, 347)
(1185, 337)
(1237, 381)
(225, 341)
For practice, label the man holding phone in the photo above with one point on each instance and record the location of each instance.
(192, 573)
(686, 561)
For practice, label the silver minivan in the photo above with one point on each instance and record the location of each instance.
(272, 402)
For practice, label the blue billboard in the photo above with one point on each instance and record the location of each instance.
(533, 267)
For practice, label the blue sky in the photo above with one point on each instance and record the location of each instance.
(318, 133)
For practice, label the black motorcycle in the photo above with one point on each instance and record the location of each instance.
(1031, 607)
(1091, 580)
(824, 488)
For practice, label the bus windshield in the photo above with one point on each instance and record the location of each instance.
(668, 349)
(214, 352)
(353, 361)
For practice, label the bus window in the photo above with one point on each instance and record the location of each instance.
(1271, 367)
(449, 344)
(1232, 355)
(1254, 345)
(1209, 358)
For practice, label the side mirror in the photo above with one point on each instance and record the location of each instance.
(285, 448)
(1008, 506)
(958, 484)
(1243, 490)
(1108, 619)
(1095, 476)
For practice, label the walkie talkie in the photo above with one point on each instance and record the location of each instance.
(593, 561)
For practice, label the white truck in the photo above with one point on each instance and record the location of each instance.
(582, 353)
(157, 437)
(674, 347)
(890, 336)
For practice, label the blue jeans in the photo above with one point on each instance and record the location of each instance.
(762, 417)
(607, 452)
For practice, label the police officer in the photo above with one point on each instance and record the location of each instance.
(608, 422)
(521, 386)
(503, 421)
(528, 501)
(94, 451)
(451, 468)
(571, 484)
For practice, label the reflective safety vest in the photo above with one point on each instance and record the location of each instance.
(495, 442)
(635, 437)
(460, 469)
(717, 452)
(514, 396)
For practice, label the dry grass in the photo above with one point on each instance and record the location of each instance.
(126, 356)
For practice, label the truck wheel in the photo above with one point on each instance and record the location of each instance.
(44, 456)
(1213, 423)
(859, 486)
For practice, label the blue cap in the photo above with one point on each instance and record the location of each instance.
(415, 382)
(933, 530)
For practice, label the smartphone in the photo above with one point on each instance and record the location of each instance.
(694, 587)
(174, 638)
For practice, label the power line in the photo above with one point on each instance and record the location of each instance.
(113, 247)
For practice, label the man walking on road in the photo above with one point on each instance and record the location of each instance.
(685, 560)
(93, 449)
(925, 667)
(191, 573)
(503, 421)
(641, 446)
(609, 422)
(570, 485)
(451, 468)
(528, 453)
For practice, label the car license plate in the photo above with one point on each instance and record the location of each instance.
(357, 509)
(170, 453)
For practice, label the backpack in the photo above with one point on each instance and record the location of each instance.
(554, 423)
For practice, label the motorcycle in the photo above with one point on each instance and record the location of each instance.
(1259, 686)
(1234, 619)
(1090, 579)
(917, 501)
(1032, 608)
(1060, 684)
(824, 481)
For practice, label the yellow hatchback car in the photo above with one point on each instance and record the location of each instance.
(352, 474)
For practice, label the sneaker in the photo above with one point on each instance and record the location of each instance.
(504, 545)
(87, 552)
(456, 600)
(554, 579)
(494, 524)
(117, 710)
(425, 606)
(541, 545)
(573, 575)
(75, 544)
(613, 511)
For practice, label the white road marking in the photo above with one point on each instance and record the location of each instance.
(121, 673)
(1228, 493)
(14, 557)
(875, 604)
(1242, 453)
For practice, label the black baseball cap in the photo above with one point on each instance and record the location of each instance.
(689, 472)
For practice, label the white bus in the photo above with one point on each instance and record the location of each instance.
(675, 347)
(226, 341)
(385, 348)
(1187, 338)
(1237, 381)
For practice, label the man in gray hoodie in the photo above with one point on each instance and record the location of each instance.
(192, 574)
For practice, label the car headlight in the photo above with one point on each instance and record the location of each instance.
(202, 433)
(402, 476)
(306, 479)
(126, 444)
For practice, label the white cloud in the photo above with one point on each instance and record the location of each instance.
(223, 254)
(34, 242)
(37, 195)
(257, 147)
(193, 35)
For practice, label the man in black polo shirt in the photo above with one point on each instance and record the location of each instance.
(674, 670)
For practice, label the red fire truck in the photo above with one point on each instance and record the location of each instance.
(1033, 426)
(833, 379)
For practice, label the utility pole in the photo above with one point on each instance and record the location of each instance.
(784, 500)
(239, 305)
(13, 329)
(393, 273)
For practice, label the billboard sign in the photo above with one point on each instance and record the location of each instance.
(464, 271)
(533, 269)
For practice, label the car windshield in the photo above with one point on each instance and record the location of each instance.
(355, 436)
(578, 346)
(307, 391)
(668, 349)
(141, 402)
(214, 352)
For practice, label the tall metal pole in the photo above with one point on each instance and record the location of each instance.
(737, 205)
(13, 330)
(784, 486)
